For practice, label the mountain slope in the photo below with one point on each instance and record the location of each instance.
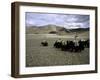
(53, 29)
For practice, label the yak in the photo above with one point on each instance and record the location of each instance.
(44, 43)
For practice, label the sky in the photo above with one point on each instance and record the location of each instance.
(63, 20)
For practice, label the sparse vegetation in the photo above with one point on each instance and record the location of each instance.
(37, 55)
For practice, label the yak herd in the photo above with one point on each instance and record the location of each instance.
(72, 46)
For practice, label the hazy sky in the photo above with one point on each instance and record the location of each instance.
(63, 20)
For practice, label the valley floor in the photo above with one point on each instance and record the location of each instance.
(37, 55)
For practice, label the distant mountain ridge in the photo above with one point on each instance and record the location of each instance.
(52, 29)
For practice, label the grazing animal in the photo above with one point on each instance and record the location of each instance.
(72, 46)
(44, 43)
(87, 43)
(81, 45)
(64, 46)
(58, 43)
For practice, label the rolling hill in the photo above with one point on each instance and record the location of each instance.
(53, 29)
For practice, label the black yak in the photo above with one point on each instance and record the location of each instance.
(44, 43)
(58, 43)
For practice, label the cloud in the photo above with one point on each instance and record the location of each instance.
(64, 20)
